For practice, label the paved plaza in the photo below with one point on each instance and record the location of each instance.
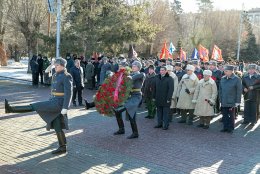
(25, 145)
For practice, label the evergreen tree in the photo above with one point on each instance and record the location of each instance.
(205, 5)
(249, 49)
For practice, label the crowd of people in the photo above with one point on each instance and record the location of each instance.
(167, 87)
(203, 89)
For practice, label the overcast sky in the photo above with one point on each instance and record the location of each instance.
(191, 6)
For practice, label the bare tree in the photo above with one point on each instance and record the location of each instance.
(27, 16)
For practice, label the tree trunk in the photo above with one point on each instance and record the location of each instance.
(3, 57)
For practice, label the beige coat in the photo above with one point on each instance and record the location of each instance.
(175, 80)
(185, 99)
(205, 90)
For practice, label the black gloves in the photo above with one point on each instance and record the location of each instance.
(187, 91)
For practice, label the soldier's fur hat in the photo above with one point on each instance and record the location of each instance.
(207, 73)
(61, 62)
(137, 63)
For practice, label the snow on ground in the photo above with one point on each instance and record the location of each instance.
(17, 70)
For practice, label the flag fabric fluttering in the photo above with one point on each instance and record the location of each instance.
(172, 48)
(203, 53)
(132, 53)
(182, 55)
(165, 52)
(217, 54)
(195, 54)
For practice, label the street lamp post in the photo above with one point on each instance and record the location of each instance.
(58, 28)
(239, 32)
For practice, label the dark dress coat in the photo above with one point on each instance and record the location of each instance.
(49, 110)
(251, 97)
(135, 98)
(148, 87)
(164, 87)
(78, 77)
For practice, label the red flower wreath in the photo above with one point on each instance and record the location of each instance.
(113, 93)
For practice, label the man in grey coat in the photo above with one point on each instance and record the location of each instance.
(164, 87)
(230, 90)
(53, 111)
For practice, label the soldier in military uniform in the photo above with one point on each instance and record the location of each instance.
(53, 111)
(132, 102)
(251, 82)
(216, 76)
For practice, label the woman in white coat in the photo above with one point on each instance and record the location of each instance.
(186, 89)
(205, 98)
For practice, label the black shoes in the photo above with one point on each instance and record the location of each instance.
(89, 105)
(206, 127)
(17, 109)
(182, 121)
(8, 109)
(134, 135)
(120, 132)
(227, 130)
(158, 126)
(200, 125)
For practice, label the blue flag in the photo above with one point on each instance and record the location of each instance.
(172, 48)
(195, 54)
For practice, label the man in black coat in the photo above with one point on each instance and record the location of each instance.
(78, 82)
(164, 87)
(70, 62)
(35, 71)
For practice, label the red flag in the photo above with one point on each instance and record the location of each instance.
(182, 55)
(217, 54)
(165, 54)
(203, 53)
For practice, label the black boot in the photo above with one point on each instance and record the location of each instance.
(120, 123)
(89, 105)
(17, 109)
(62, 143)
(134, 129)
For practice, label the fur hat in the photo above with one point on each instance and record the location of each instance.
(61, 62)
(190, 67)
(169, 67)
(207, 73)
(137, 63)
